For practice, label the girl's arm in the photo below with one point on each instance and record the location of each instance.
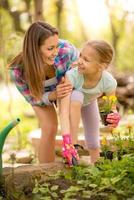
(68, 150)
(64, 110)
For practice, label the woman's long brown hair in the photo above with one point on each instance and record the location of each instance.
(31, 59)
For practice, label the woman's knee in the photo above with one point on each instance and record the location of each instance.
(48, 122)
(49, 131)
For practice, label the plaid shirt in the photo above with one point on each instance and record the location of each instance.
(66, 56)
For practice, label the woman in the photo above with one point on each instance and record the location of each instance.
(37, 73)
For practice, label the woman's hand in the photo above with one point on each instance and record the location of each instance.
(113, 119)
(74, 64)
(63, 88)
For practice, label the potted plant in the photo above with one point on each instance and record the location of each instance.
(106, 151)
(108, 103)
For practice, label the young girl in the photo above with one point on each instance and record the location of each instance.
(90, 80)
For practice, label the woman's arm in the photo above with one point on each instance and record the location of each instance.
(23, 88)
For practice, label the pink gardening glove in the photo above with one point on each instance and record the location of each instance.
(68, 150)
(113, 119)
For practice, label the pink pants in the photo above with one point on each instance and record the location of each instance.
(90, 118)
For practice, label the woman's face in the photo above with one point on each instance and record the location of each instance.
(88, 62)
(49, 49)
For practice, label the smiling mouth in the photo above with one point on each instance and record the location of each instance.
(52, 59)
(80, 68)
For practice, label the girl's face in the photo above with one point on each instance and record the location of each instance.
(88, 62)
(49, 49)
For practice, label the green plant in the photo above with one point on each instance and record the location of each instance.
(106, 180)
(45, 191)
(123, 144)
(106, 151)
(107, 103)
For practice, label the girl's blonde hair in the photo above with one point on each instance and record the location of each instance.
(104, 50)
(30, 57)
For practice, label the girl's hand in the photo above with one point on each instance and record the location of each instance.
(113, 119)
(63, 88)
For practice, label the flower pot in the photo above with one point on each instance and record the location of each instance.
(120, 153)
(107, 154)
(103, 116)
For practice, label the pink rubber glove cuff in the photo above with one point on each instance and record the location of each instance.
(66, 139)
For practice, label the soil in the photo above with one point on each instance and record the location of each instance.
(107, 155)
(104, 117)
(2, 188)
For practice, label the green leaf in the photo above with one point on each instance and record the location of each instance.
(46, 198)
(121, 192)
(45, 184)
(73, 189)
(93, 185)
(35, 190)
(113, 197)
(54, 194)
(44, 190)
(86, 194)
(54, 187)
(63, 191)
(105, 181)
(116, 179)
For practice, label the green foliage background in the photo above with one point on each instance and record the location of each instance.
(71, 28)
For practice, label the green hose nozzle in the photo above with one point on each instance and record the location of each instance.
(3, 135)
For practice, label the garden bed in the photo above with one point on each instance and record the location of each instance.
(112, 178)
(107, 180)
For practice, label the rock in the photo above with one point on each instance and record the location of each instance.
(130, 102)
(130, 90)
(20, 184)
(24, 160)
(24, 157)
(29, 114)
(20, 181)
(122, 80)
(131, 78)
(125, 91)
(121, 91)
(85, 160)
